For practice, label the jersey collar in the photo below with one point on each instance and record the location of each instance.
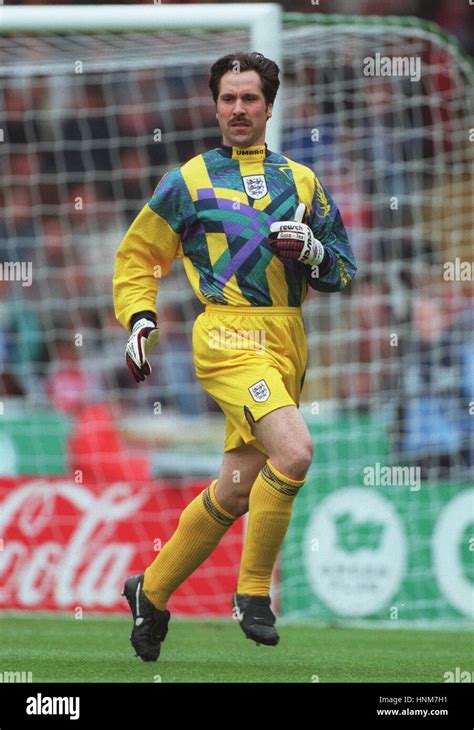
(257, 153)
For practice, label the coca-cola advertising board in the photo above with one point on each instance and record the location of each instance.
(65, 546)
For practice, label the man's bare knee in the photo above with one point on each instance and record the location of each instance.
(287, 440)
(295, 462)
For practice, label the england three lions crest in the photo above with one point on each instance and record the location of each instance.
(260, 391)
(255, 186)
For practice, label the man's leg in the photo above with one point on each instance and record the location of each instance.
(285, 437)
(203, 523)
(238, 473)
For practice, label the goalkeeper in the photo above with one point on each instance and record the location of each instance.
(254, 230)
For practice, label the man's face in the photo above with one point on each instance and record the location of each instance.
(242, 112)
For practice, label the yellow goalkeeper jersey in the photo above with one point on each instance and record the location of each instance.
(214, 212)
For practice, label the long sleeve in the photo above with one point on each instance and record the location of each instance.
(339, 266)
(148, 249)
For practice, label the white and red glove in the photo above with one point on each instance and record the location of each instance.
(145, 336)
(296, 240)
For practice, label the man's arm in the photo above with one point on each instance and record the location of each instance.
(338, 267)
(147, 251)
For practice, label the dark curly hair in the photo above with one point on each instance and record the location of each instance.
(266, 69)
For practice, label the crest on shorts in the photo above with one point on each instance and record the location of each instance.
(255, 186)
(260, 391)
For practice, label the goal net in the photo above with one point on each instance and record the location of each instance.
(381, 110)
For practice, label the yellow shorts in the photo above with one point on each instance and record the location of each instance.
(251, 361)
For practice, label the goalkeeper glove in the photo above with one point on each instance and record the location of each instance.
(295, 240)
(144, 338)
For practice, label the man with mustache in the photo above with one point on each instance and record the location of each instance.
(254, 229)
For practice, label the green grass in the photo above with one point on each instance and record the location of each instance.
(62, 649)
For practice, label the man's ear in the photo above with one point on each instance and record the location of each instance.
(269, 110)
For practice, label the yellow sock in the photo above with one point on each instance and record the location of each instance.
(270, 504)
(201, 526)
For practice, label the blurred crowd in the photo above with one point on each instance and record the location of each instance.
(83, 154)
(454, 16)
(73, 178)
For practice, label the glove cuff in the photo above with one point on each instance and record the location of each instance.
(142, 323)
(318, 257)
(150, 316)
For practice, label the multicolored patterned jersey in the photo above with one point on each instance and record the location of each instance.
(215, 213)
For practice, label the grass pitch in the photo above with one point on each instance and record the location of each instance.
(62, 649)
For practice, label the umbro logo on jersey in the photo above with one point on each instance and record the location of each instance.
(255, 186)
(248, 153)
(138, 621)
